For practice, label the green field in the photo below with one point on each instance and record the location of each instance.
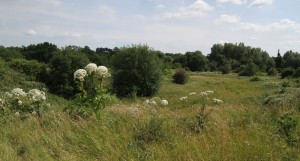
(243, 127)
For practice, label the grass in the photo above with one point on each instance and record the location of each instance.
(239, 129)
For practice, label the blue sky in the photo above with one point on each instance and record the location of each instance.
(173, 26)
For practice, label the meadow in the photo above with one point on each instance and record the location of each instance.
(256, 120)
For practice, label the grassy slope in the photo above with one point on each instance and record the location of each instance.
(239, 129)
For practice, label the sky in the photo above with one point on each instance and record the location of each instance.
(171, 26)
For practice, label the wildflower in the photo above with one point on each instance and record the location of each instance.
(209, 91)
(102, 71)
(164, 102)
(147, 101)
(203, 93)
(18, 92)
(80, 74)
(20, 103)
(36, 95)
(90, 68)
(217, 100)
(192, 93)
(183, 98)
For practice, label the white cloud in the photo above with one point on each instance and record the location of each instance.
(228, 18)
(260, 3)
(31, 33)
(237, 2)
(281, 25)
(160, 6)
(197, 9)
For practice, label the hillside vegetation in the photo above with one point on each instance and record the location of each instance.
(211, 116)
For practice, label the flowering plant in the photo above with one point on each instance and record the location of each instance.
(23, 104)
(92, 96)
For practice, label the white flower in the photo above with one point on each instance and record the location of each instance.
(183, 98)
(36, 95)
(217, 101)
(18, 92)
(209, 91)
(90, 68)
(164, 102)
(147, 101)
(102, 71)
(20, 103)
(80, 74)
(203, 94)
(192, 93)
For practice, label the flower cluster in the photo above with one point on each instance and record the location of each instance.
(218, 101)
(80, 74)
(18, 92)
(183, 98)
(36, 95)
(155, 100)
(102, 71)
(204, 94)
(91, 68)
(23, 104)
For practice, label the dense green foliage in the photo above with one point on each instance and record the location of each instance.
(136, 71)
(59, 79)
(180, 76)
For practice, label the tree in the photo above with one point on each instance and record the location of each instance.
(196, 61)
(136, 71)
(41, 52)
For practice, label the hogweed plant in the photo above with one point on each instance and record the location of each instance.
(23, 104)
(92, 96)
(201, 117)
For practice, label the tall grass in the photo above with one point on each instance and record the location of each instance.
(238, 129)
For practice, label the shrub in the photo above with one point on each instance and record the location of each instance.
(288, 126)
(226, 68)
(59, 78)
(32, 69)
(136, 70)
(287, 72)
(254, 79)
(272, 72)
(180, 76)
(297, 73)
(248, 70)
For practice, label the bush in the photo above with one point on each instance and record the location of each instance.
(255, 79)
(226, 69)
(59, 78)
(180, 76)
(249, 70)
(287, 72)
(32, 69)
(136, 71)
(272, 72)
(297, 73)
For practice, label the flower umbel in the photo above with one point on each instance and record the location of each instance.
(90, 68)
(80, 74)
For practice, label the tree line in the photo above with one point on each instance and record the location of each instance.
(55, 66)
